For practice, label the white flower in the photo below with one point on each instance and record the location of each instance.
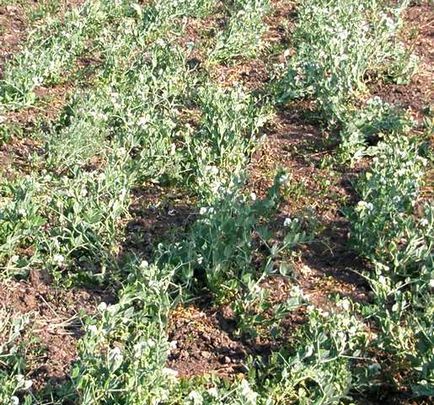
(14, 258)
(213, 170)
(424, 222)
(92, 328)
(143, 120)
(121, 151)
(345, 305)
(213, 392)
(363, 205)
(382, 280)
(144, 264)
(138, 349)
(22, 212)
(27, 384)
(248, 393)
(284, 179)
(58, 259)
(253, 196)
(169, 372)
(102, 306)
(151, 343)
(22, 382)
(203, 210)
(431, 283)
(343, 35)
(15, 400)
(287, 222)
(115, 353)
(196, 397)
(390, 23)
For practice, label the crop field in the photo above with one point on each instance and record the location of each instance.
(216, 202)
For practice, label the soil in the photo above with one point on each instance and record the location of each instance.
(12, 32)
(204, 339)
(55, 324)
(327, 265)
(15, 156)
(201, 343)
(14, 25)
(157, 213)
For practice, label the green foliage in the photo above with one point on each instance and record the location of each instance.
(365, 127)
(243, 34)
(20, 222)
(127, 128)
(387, 230)
(318, 368)
(383, 228)
(123, 353)
(219, 252)
(13, 381)
(339, 44)
(227, 134)
(54, 47)
(105, 28)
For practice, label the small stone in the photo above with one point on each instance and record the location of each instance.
(206, 355)
(185, 354)
(227, 360)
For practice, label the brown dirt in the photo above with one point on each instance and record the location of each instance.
(15, 156)
(12, 31)
(55, 324)
(200, 344)
(280, 22)
(204, 339)
(157, 213)
(16, 152)
(298, 145)
(419, 37)
(14, 25)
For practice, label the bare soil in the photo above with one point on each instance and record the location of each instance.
(201, 343)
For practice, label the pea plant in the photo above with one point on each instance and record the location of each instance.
(242, 37)
(388, 230)
(338, 46)
(220, 248)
